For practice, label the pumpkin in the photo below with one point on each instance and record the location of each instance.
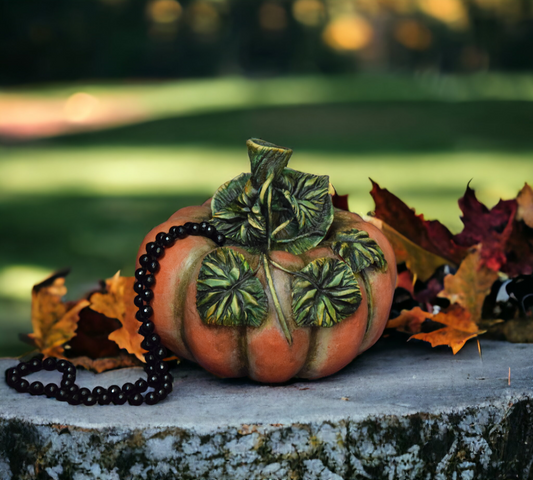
(299, 288)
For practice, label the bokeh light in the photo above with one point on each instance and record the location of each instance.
(348, 33)
(413, 34)
(272, 16)
(80, 107)
(309, 12)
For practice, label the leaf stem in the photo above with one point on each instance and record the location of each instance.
(277, 304)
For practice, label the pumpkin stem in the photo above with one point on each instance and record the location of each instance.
(266, 159)
(277, 304)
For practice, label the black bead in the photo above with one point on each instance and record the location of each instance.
(146, 311)
(151, 398)
(139, 316)
(89, 400)
(210, 231)
(66, 384)
(153, 266)
(75, 399)
(167, 386)
(154, 380)
(203, 227)
(50, 390)
(120, 399)
(147, 295)
(140, 274)
(62, 394)
(154, 250)
(71, 377)
(150, 368)
(144, 260)
(36, 388)
(12, 380)
(22, 385)
(161, 393)
(35, 364)
(160, 352)
(83, 392)
(150, 358)
(168, 240)
(138, 301)
(136, 399)
(62, 365)
(192, 228)
(104, 399)
(161, 368)
(114, 390)
(149, 280)
(167, 377)
(151, 341)
(178, 232)
(73, 389)
(49, 364)
(23, 369)
(220, 238)
(159, 238)
(71, 370)
(99, 391)
(141, 385)
(138, 287)
(147, 328)
(128, 388)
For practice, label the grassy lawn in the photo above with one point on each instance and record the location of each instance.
(86, 200)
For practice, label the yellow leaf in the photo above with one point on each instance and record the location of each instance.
(54, 322)
(117, 302)
(525, 205)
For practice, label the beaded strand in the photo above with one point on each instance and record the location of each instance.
(158, 376)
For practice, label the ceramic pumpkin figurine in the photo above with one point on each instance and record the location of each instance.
(299, 288)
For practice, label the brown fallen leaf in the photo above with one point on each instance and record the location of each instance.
(117, 302)
(410, 321)
(99, 365)
(54, 322)
(458, 330)
(525, 205)
(419, 261)
(470, 284)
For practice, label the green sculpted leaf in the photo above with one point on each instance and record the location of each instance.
(357, 249)
(228, 292)
(273, 207)
(304, 206)
(237, 212)
(324, 293)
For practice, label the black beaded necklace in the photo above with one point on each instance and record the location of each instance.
(159, 378)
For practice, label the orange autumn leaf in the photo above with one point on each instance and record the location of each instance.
(525, 205)
(54, 322)
(419, 261)
(459, 328)
(470, 284)
(410, 321)
(117, 302)
(99, 365)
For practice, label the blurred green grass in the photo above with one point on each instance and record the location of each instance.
(86, 200)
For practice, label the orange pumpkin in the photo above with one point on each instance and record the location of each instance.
(299, 289)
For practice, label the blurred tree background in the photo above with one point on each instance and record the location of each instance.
(115, 113)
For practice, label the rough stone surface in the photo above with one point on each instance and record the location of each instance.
(397, 412)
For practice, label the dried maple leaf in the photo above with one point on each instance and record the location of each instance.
(99, 365)
(492, 228)
(431, 235)
(54, 322)
(459, 328)
(340, 201)
(525, 206)
(470, 284)
(409, 321)
(117, 302)
(419, 261)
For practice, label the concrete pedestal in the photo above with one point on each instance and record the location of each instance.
(397, 412)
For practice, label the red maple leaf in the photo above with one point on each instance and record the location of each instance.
(492, 228)
(431, 235)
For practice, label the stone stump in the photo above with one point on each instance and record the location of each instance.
(397, 412)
